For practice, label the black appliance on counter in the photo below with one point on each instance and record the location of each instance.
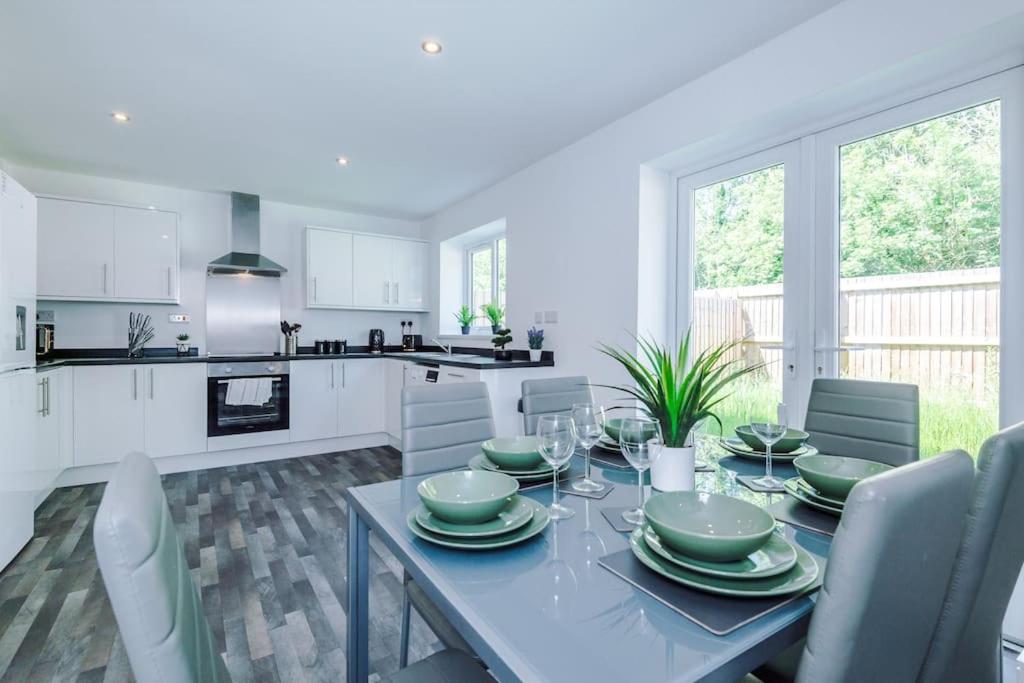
(376, 341)
(232, 405)
(45, 335)
(410, 341)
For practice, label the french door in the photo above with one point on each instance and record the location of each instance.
(883, 260)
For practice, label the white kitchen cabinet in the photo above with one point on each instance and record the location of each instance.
(175, 408)
(356, 270)
(49, 428)
(371, 271)
(362, 396)
(109, 413)
(19, 478)
(91, 251)
(394, 371)
(145, 254)
(409, 274)
(328, 268)
(76, 249)
(313, 399)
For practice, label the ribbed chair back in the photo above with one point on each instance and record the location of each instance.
(443, 425)
(552, 396)
(861, 419)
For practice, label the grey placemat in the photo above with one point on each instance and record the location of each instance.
(566, 487)
(717, 613)
(792, 511)
(614, 517)
(748, 481)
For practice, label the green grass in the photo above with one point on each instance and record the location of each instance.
(948, 419)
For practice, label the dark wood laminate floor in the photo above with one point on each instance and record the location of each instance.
(266, 545)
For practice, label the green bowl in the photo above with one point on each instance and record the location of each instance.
(513, 453)
(467, 497)
(793, 439)
(613, 428)
(708, 526)
(835, 475)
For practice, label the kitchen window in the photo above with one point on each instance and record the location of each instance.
(486, 265)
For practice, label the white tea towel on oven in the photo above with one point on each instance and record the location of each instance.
(236, 392)
(249, 393)
(264, 390)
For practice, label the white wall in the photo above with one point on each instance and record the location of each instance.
(204, 236)
(573, 218)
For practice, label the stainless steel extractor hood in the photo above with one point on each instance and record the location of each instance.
(245, 256)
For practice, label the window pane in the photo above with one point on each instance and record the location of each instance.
(738, 239)
(480, 286)
(501, 272)
(919, 264)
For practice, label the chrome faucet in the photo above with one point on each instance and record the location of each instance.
(447, 349)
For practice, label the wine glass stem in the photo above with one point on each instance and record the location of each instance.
(587, 468)
(640, 490)
(768, 460)
(554, 489)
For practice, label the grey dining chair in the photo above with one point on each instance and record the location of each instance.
(443, 425)
(442, 428)
(446, 666)
(155, 602)
(967, 645)
(861, 419)
(550, 396)
(888, 568)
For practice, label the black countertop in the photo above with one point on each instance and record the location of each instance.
(72, 357)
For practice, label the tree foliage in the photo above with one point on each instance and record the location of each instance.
(918, 199)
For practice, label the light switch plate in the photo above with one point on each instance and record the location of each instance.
(551, 316)
(538, 317)
(179, 318)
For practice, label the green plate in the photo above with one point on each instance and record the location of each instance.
(773, 558)
(537, 524)
(815, 494)
(799, 578)
(488, 464)
(709, 526)
(737, 447)
(517, 514)
(467, 497)
(480, 462)
(793, 489)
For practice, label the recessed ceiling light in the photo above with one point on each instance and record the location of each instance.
(120, 117)
(342, 161)
(431, 47)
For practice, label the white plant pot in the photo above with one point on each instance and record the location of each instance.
(183, 347)
(535, 355)
(674, 469)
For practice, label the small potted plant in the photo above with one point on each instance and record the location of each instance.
(502, 337)
(535, 338)
(465, 317)
(182, 344)
(495, 314)
(680, 389)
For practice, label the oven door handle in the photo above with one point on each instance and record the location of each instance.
(225, 381)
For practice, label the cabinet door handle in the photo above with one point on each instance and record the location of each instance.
(314, 289)
(387, 292)
(42, 397)
(455, 374)
(135, 384)
(151, 391)
(396, 292)
(104, 278)
(342, 375)
(168, 281)
(332, 375)
(46, 394)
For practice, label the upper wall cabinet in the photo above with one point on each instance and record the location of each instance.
(102, 252)
(355, 270)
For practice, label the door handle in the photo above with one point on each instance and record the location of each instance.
(332, 375)
(135, 384)
(42, 397)
(396, 292)
(168, 281)
(104, 278)
(314, 289)
(151, 393)
(46, 395)
(343, 375)
(387, 292)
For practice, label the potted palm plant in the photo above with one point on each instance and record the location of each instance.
(495, 314)
(680, 392)
(465, 317)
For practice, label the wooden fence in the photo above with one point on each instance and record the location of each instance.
(937, 330)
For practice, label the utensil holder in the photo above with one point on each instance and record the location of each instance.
(291, 345)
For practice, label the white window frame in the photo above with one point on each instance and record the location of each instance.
(467, 280)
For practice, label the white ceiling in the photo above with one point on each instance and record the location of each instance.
(262, 96)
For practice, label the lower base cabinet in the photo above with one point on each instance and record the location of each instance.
(331, 398)
(175, 406)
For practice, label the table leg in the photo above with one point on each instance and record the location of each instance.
(358, 598)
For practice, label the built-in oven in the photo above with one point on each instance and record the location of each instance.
(247, 397)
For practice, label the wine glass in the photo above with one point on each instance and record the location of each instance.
(769, 433)
(640, 443)
(556, 439)
(589, 422)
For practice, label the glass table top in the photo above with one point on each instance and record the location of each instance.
(551, 612)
